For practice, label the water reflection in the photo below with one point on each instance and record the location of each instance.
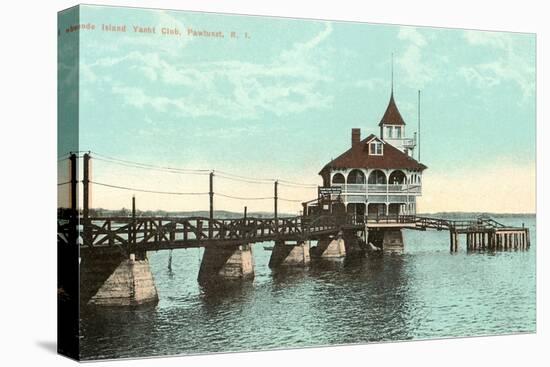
(213, 295)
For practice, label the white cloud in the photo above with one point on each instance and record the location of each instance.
(511, 63)
(412, 34)
(370, 84)
(418, 72)
(230, 89)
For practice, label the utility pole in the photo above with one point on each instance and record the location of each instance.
(74, 182)
(419, 125)
(86, 186)
(134, 237)
(211, 193)
(73, 212)
(275, 207)
(244, 222)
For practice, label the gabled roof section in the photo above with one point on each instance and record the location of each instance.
(372, 137)
(358, 157)
(392, 115)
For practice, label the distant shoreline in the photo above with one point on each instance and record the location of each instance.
(492, 214)
(231, 214)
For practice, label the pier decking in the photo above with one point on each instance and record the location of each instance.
(164, 233)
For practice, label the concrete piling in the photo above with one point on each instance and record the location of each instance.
(226, 263)
(111, 280)
(393, 241)
(290, 254)
(331, 248)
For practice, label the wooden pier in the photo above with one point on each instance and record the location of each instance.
(486, 233)
(111, 251)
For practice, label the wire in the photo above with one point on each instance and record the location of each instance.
(243, 198)
(290, 200)
(297, 184)
(243, 180)
(63, 183)
(68, 158)
(188, 193)
(264, 180)
(150, 166)
(149, 191)
(258, 198)
(221, 174)
(176, 171)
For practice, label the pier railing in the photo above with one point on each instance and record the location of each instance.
(154, 233)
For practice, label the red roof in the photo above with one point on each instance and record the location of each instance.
(358, 157)
(392, 115)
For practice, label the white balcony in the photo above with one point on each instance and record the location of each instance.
(409, 143)
(402, 143)
(393, 189)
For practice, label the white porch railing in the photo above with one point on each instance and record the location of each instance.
(377, 189)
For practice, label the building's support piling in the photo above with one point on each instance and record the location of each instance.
(508, 239)
(111, 279)
(393, 241)
(495, 239)
(331, 248)
(290, 254)
(453, 240)
(226, 263)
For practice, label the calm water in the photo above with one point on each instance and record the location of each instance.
(424, 293)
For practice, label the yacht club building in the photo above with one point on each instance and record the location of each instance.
(378, 174)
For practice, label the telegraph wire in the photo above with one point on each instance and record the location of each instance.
(252, 181)
(244, 178)
(186, 193)
(220, 174)
(150, 166)
(146, 190)
(258, 198)
(290, 200)
(168, 170)
(297, 184)
(68, 155)
(243, 198)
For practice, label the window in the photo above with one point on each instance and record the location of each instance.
(356, 177)
(390, 131)
(398, 132)
(375, 148)
(377, 177)
(338, 179)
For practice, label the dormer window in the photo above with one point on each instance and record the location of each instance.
(398, 132)
(375, 148)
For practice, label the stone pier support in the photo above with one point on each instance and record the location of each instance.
(390, 240)
(226, 263)
(290, 254)
(111, 280)
(331, 248)
(393, 241)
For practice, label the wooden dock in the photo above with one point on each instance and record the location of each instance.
(164, 233)
(486, 233)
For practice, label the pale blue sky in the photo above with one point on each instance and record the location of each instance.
(282, 103)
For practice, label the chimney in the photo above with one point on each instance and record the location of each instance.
(355, 137)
